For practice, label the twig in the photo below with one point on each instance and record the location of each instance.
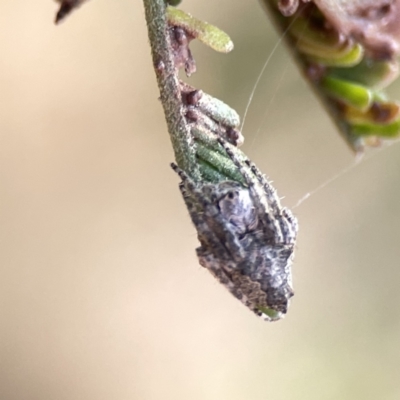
(170, 94)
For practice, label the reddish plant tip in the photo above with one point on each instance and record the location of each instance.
(193, 97)
(234, 136)
(192, 115)
(180, 40)
(384, 112)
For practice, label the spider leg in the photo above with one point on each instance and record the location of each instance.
(291, 226)
(287, 221)
(229, 243)
(273, 199)
(269, 221)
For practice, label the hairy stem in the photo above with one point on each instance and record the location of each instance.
(170, 95)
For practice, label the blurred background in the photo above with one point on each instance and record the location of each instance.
(101, 294)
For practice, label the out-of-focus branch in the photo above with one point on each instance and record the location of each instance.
(347, 50)
(66, 6)
(374, 23)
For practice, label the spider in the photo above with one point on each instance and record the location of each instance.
(247, 238)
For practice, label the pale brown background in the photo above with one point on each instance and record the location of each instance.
(101, 294)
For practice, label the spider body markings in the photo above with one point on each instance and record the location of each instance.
(247, 238)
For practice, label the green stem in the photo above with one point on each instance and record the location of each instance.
(170, 95)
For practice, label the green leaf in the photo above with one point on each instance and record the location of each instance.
(350, 93)
(385, 131)
(343, 57)
(208, 34)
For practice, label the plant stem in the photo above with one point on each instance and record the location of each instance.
(170, 95)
